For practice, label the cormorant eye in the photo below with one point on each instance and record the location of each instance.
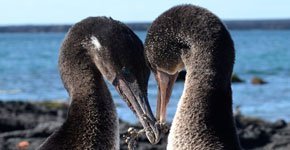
(126, 71)
(127, 74)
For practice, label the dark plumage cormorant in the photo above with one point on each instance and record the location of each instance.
(94, 49)
(193, 38)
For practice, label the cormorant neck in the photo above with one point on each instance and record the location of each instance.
(92, 121)
(92, 118)
(204, 115)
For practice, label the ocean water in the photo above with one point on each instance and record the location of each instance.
(28, 72)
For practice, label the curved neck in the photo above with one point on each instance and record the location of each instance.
(92, 121)
(204, 114)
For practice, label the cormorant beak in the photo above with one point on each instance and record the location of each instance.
(138, 103)
(165, 83)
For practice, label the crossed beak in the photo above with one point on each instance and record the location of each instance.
(138, 103)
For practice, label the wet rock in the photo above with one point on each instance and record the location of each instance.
(279, 124)
(11, 143)
(236, 79)
(254, 133)
(258, 81)
(253, 136)
(280, 140)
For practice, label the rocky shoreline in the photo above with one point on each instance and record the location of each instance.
(25, 125)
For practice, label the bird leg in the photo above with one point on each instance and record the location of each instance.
(131, 137)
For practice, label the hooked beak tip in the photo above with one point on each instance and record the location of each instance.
(154, 135)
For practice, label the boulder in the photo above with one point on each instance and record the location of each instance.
(258, 81)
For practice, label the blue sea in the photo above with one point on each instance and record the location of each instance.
(28, 72)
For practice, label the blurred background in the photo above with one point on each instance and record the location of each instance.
(32, 31)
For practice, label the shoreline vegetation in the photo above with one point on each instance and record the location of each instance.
(25, 125)
(275, 24)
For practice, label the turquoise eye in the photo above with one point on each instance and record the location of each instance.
(126, 71)
(127, 74)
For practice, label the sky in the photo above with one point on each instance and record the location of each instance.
(40, 12)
